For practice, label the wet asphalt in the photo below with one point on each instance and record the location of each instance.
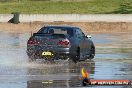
(113, 60)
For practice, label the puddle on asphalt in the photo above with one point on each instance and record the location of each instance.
(102, 39)
(17, 72)
(119, 40)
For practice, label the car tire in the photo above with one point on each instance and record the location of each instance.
(76, 58)
(92, 52)
(32, 58)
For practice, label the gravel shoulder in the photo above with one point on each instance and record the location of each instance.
(87, 27)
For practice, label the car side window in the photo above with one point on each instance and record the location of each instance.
(79, 33)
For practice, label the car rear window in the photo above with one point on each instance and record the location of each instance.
(57, 30)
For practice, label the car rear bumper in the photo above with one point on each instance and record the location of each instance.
(58, 52)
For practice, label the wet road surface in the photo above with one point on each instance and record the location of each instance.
(113, 60)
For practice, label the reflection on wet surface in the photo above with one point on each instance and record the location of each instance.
(113, 40)
(109, 63)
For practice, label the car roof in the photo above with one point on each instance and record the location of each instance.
(63, 26)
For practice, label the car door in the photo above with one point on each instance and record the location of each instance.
(85, 44)
(81, 41)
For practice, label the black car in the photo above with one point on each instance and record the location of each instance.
(60, 42)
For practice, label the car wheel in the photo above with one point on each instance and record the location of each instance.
(76, 58)
(92, 53)
(32, 58)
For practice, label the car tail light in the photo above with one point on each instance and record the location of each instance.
(64, 42)
(33, 42)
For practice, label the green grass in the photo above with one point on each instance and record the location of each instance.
(60, 7)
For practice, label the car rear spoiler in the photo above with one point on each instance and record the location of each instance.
(54, 35)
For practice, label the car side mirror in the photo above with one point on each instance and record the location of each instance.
(88, 36)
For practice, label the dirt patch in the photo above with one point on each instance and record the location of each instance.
(85, 26)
